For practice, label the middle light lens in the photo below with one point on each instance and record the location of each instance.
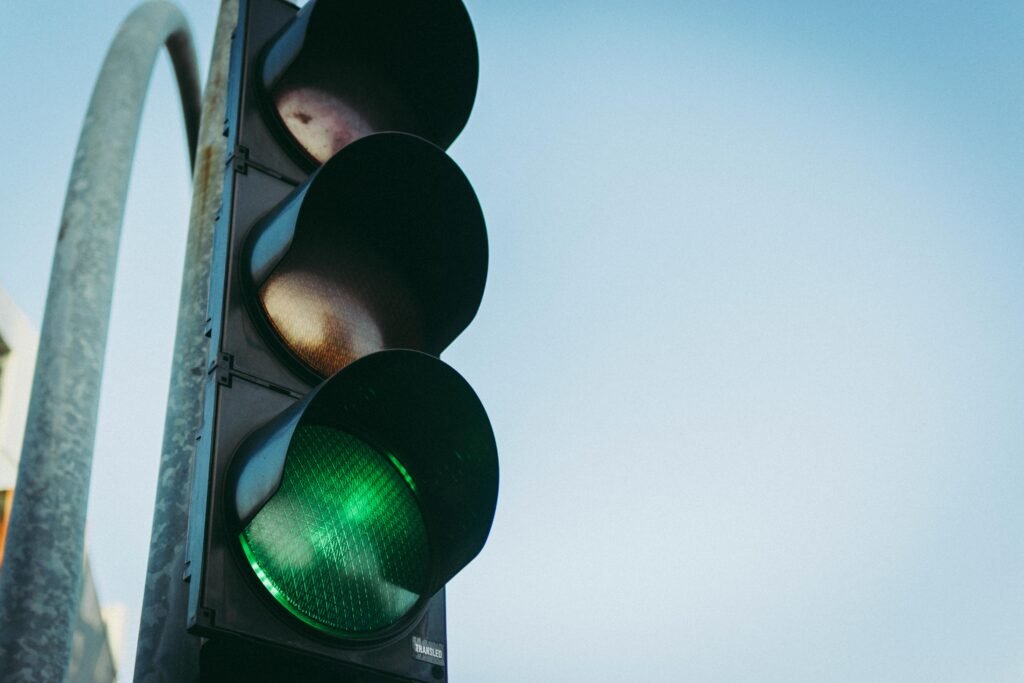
(331, 306)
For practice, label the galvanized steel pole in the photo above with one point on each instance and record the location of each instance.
(165, 651)
(42, 573)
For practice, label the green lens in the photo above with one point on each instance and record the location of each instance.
(341, 545)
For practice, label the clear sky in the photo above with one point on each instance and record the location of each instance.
(749, 341)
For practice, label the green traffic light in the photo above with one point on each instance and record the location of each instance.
(342, 543)
(356, 504)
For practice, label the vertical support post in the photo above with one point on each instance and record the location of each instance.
(42, 574)
(165, 651)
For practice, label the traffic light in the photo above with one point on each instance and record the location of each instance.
(344, 474)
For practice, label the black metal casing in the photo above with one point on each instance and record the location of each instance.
(251, 382)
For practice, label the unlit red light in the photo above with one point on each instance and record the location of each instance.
(319, 120)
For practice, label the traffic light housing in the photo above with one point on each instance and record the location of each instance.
(344, 474)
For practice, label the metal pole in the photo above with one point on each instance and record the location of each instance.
(165, 651)
(42, 573)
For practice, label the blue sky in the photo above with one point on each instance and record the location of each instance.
(749, 340)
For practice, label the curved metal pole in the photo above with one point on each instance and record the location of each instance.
(165, 650)
(42, 572)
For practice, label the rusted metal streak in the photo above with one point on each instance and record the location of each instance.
(165, 651)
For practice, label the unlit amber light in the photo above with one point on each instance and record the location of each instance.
(333, 306)
(322, 324)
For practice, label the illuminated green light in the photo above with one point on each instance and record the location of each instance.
(405, 473)
(341, 545)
